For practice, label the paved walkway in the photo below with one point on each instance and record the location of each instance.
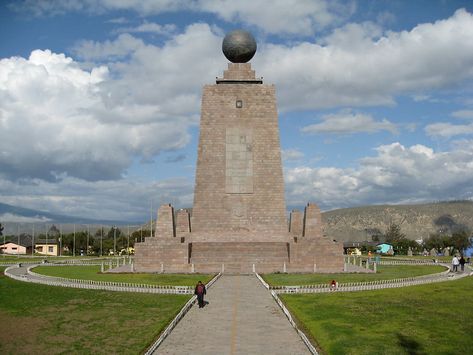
(240, 318)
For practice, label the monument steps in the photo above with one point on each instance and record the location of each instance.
(239, 252)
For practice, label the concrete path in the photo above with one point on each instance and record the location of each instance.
(240, 318)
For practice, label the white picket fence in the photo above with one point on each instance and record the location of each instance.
(363, 286)
(46, 262)
(96, 285)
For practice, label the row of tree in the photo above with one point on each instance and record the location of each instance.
(102, 242)
(458, 240)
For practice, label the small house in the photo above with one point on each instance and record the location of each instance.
(21, 245)
(47, 247)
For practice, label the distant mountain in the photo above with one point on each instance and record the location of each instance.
(14, 214)
(416, 221)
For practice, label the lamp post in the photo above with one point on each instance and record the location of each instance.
(151, 218)
(18, 234)
(88, 233)
(101, 239)
(60, 240)
(74, 242)
(114, 240)
(128, 240)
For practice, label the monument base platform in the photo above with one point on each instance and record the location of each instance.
(177, 255)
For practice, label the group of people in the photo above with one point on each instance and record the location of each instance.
(458, 261)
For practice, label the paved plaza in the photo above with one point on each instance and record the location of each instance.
(240, 318)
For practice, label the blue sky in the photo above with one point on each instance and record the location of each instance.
(100, 100)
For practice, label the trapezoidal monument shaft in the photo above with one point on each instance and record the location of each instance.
(239, 181)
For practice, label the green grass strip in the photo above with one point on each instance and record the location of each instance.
(38, 319)
(424, 319)
(385, 272)
(92, 272)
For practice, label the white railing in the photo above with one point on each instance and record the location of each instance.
(107, 285)
(367, 285)
(46, 262)
(177, 318)
(265, 284)
(304, 338)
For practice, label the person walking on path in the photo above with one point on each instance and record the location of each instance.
(455, 263)
(333, 285)
(200, 291)
(462, 263)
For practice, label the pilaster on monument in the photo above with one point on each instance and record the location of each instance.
(165, 226)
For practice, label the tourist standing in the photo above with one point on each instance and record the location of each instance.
(200, 291)
(455, 263)
(462, 263)
(333, 285)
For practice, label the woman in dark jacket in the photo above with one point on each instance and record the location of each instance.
(200, 291)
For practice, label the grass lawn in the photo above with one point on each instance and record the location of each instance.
(425, 319)
(92, 272)
(385, 272)
(38, 319)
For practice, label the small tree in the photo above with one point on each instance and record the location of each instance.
(393, 233)
(460, 240)
(398, 240)
(140, 234)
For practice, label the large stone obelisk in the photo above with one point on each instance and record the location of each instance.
(239, 181)
(238, 222)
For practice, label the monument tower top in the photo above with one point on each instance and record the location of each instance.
(239, 46)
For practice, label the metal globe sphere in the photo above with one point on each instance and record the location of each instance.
(239, 46)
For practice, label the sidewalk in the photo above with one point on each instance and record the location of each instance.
(240, 318)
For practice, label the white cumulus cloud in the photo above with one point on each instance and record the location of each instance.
(272, 16)
(292, 154)
(57, 119)
(359, 67)
(124, 199)
(346, 122)
(396, 173)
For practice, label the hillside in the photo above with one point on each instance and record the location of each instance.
(416, 221)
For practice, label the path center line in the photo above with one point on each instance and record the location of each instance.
(234, 316)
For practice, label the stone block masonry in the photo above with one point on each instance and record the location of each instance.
(238, 222)
(239, 180)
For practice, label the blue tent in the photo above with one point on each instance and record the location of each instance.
(469, 252)
(383, 248)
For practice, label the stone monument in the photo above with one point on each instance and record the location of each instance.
(238, 222)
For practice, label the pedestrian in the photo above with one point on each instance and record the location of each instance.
(462, 263)
(333, 285)
(200, 291)
(455, 263)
